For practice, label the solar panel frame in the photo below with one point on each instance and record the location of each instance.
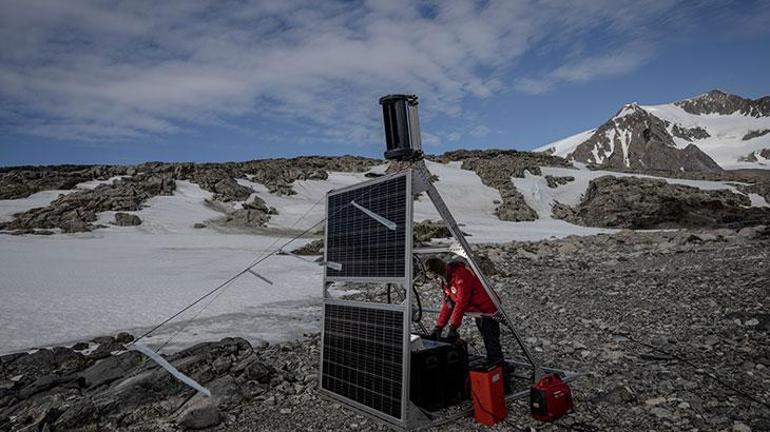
(406, 226)
(382, 413)
(405, 280)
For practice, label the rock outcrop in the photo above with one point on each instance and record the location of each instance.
(62, 389)
(719, 102)
(755, 134)
(642, 203)
(496, 167)
(21, 182)
(76, 211)
(556, 181)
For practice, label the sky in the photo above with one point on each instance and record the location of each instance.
(123, 82)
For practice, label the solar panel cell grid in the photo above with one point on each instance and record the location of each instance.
(362, 356)
(363, 245)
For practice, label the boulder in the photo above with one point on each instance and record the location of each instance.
(125, 219)
(555, 181)
(201, 414)
(110, 369)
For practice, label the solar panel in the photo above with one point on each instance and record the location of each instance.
(362, 356)
(366, 230)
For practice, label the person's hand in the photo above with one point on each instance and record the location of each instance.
(436, 333)
(452, 334)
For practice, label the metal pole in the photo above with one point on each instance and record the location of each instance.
(444, 212)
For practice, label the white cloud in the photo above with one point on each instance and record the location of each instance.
(480, 131)
(454, 136)
(86, 69)
(430, 140)
(618, 62)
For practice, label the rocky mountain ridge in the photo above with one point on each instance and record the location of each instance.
(128, 188)
(637, 139)
(718, 102)
(709, 132)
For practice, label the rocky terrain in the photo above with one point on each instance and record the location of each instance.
(76, 212)
(669, 330)
(242, 208)
(643, 203)
(719, 102)
(496, 167)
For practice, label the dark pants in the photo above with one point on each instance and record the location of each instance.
(490, 332)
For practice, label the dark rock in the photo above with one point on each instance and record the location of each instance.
(314, 247)
(642, 203)
(756, 134)
(427, 230)
(80, 346)
(125, 219)
(256, 204)
(719, 102)
(556, 181)
(74, 212)
(689, 134)
(79, 414)
(110, 369)
(123, 338)
(244, 218)
(47, 382)
(200, 416)
(23, 181)
(257, 371)
(105, 349)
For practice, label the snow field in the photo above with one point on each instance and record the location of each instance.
(70, 287)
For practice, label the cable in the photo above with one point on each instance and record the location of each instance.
(228, 281)
(241, 273)
(213, 299)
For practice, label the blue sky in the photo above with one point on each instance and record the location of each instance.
(126, 82)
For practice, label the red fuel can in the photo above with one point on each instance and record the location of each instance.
(550, 399)
(488, 395)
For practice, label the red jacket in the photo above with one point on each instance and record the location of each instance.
(463, 292)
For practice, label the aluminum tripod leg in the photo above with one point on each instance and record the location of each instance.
(423, 176)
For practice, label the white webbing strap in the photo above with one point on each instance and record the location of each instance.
(144, 349)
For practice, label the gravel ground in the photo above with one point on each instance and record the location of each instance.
(668, 329)
(700, 298)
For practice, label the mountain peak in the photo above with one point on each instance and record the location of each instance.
(629, 109)
(717, 93)
(719, 102)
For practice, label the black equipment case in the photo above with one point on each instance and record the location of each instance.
(439, 374)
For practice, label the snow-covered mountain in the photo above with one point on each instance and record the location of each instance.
(710, 132)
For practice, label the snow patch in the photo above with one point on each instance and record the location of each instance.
(93, 184)
(40, 199)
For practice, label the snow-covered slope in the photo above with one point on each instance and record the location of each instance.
(730, 130)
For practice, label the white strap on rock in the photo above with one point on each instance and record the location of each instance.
(144, 349)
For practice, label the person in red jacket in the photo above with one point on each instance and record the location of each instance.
(463, 292)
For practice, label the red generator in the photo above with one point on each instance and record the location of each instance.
(488, 395)
(550, 399)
